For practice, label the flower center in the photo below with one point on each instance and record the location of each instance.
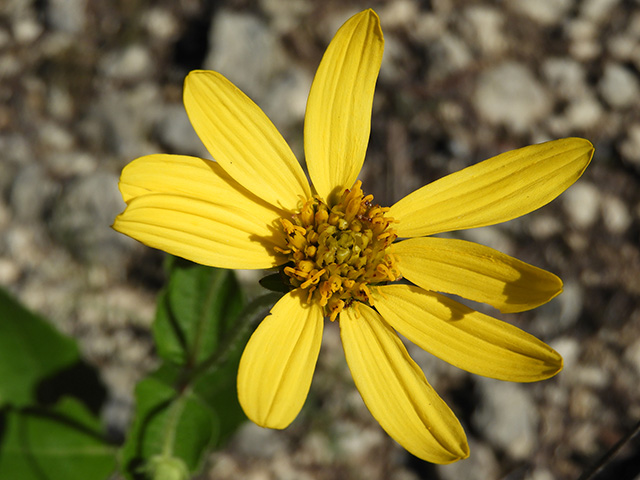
(338, 252)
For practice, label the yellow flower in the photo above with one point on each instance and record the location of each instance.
(254, 208)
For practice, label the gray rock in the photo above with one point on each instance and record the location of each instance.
(561, 313)
(619, 86)
(286, 15)
(258, 442)
(68, 16)
(507, 417)
(121, 122)
(287, 99)
(82, 221)
(32, 193)
(175, 131)
(243, 49)
(447, 55)
(481, 464)
(511, 96)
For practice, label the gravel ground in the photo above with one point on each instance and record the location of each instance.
(88, 85)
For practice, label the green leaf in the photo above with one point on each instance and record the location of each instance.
(276, 282)
(195, 312)
(61, 443)
(215, 380)
(168, 423)
(30, 350)
(190, 404)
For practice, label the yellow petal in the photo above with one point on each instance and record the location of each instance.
(338, 118)
(396, 391)
(496, 190)
(227, 230)
(243, 140)
(192, 177)
(278, 362)
(465, 338)
(475, 272)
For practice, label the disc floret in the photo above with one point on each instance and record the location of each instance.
(338, 251)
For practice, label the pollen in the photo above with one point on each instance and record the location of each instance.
(337, 252)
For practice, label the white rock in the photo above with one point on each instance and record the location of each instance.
(9, 272)
(9, 65)
(131, 63)
(619, 86)
(582, 204)
(543, 226)
(66, 165)
(398, 14)
(632, 355)
(54, 137)
(27, 30)
(60, 103)
(547, 12)
(597, 10)
(485, 25)
(507, 417)
(540, 474)
(569, 349)
(630, 147)
(160, 23)
(565, 76)
(584, 42)
(616, 215)
(593, 376)
(622, 46)
(571, 302)
(429, 27)
(511, 96)
(584, 113)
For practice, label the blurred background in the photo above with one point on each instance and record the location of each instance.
(88, 85)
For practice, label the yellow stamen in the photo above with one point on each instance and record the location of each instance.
(338, 251)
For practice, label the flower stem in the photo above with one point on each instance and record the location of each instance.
(606, 458)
